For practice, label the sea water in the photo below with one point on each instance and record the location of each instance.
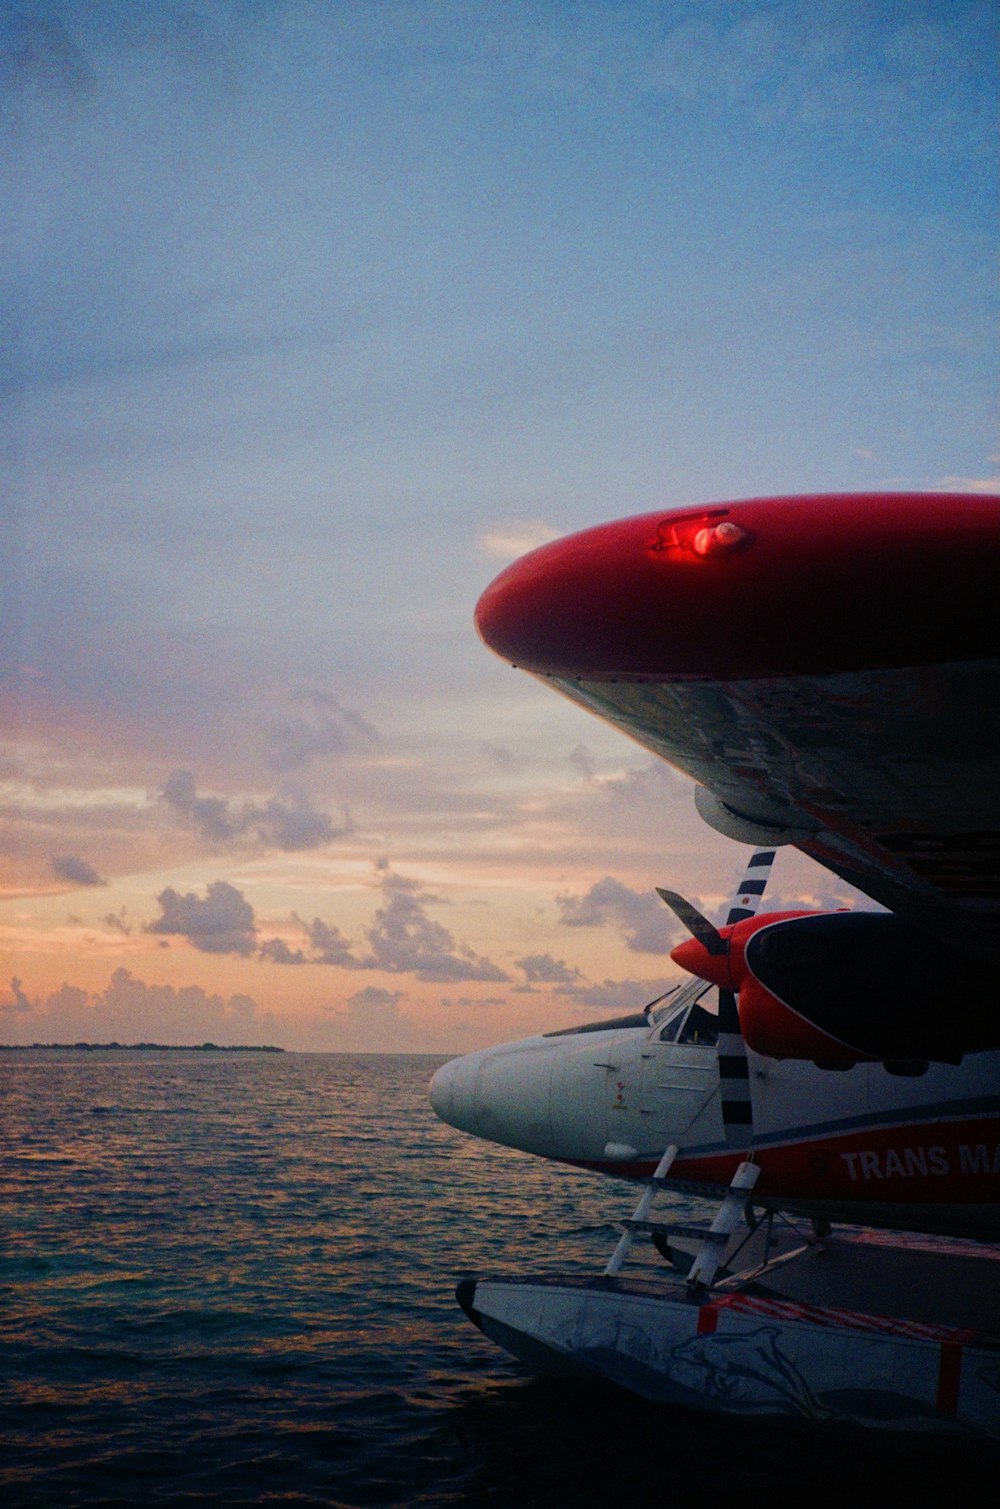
(228, 1278)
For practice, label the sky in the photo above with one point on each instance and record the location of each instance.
(317, 315)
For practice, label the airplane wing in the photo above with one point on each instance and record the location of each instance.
(826, 668)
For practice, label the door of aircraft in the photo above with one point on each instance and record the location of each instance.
(680, 1082)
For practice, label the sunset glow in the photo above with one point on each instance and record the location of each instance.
(323, 317)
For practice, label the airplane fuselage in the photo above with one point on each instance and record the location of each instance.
(863, 1145)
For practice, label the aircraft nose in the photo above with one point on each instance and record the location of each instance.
(454, 1093)
(501, 1094)
(441, 1089)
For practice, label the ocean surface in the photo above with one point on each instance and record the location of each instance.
(228, 1278)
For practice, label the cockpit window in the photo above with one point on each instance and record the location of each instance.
(701, 1027)
(670, 1019)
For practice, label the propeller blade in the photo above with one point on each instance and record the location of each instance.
(734, 1068)
(734, 1075)
(751, 888)
(698, 926)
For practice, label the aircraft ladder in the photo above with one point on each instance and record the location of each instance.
(714, 1238)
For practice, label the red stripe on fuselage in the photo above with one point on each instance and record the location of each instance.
(938, 1163)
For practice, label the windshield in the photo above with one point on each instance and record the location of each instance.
(676, 1001)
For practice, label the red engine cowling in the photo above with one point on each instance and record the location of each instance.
(774, 1029)
(769, 1026)
(841, 988)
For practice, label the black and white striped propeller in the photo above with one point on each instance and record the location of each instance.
(734, 1073)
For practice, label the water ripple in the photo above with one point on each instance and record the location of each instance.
(231, 1281)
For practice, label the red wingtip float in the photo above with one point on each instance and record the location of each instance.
(772, 586)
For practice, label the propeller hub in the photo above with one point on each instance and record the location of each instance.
(693, 956)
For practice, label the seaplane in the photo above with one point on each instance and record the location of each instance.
(826, 669)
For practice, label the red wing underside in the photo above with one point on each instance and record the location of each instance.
(896, 801)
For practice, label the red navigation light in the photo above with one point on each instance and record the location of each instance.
(718, 538)
(708, 532)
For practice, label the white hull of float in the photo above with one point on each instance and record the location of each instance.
(753, 1351)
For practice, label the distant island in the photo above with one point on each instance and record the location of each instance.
(139, 1048)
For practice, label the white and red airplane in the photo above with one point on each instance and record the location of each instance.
(827, 669)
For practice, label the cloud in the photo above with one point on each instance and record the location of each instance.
(402, 939)
(129, 1010)
(294, 824)
(75, 57)
(289, 824)
(118, 923)
(19, 1003)
(646, 793)
(499, 755)
(276, 951)
(325, 944)
(41, 53)
(644, 922)
(543, 969)
(373, 1015)
(970, 484)
(823, 896)
(209, 815)
(320, 729)
(585, 763)
(619, 995)
(507, 541)
(375, 1003)
(330, 946)
(76, 870)
(221, 922)
(466, 1001)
